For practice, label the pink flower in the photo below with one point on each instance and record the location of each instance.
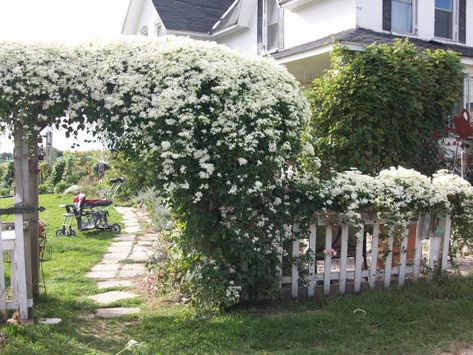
(330, 252)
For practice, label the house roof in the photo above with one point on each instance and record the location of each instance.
(230, 18)
(191, 15)
(364, 37)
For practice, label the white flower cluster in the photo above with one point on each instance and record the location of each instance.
(397, 193)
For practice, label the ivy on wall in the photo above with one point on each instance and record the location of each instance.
(377, 108)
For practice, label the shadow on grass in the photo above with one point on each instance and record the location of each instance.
(418, 319)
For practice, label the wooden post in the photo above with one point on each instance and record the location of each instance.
(33, 218)
(22, 197)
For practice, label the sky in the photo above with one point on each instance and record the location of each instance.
(63, 21)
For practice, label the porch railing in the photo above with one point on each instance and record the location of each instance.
(13, 295)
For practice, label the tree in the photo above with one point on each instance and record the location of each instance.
(377, 108)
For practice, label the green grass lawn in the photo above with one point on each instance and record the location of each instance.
(419, 319)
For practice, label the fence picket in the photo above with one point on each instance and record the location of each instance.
(446, 242)
(328, 259)
(3, 288)
(359, 260)
(389, 259)
(343, 259)
(312, 263)
(403, 258)
(434, 254)
(418, 246)
(374, 255)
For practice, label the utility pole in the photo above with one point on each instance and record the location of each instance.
(49, 147)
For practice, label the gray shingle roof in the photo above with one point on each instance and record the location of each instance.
(191, 15)
(364, 37)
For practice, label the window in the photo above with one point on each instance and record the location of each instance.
(158, 29)
(144, 31)
(401, 16)
(272, 20)
(468, 92)
(444, 18)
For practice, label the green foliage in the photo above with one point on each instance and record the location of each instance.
(61, 186)
(139, 174)
(45, 188)
(377, 108)
(57, 171)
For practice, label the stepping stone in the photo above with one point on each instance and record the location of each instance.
(136, 267)
(144, 243)
(110, 261)
(111, 297)
(121, 244)
(124, 238)
(147, 238)
(101, 274)
(132, 230)
(115, 283)
(139, 257)
(114, 256)
(113, 249)
(105, 267)
(142, 249)
(127, 274)
(116, 312)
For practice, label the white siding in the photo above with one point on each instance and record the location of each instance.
(370, 16)
(317, 20)
(246, 40)
(149, 17)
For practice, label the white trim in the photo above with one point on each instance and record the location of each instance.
(297, 4)
(306, 54)
(225, 14)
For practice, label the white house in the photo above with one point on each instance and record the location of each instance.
(300, 33)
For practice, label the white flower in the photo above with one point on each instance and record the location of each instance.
(165, 145)
(242, 161)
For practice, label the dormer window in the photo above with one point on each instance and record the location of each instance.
(144, 31)
(398, 16)
(272, 24)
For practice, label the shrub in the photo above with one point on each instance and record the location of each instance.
(58, 171)
(45, 188)
(377, 108)
(60, 187)
(216, 134)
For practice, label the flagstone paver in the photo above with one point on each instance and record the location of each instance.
(123, 263)
(116, 312)
(106, 267)
(115, 283)
(110, 297)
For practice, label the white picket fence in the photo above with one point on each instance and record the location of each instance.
(14, 296)
(329, 273)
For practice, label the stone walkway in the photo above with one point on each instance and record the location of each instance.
(123, 265)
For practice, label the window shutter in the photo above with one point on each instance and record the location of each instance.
(387, 15)
(259, 36)
(462, 21)
(281, 29)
